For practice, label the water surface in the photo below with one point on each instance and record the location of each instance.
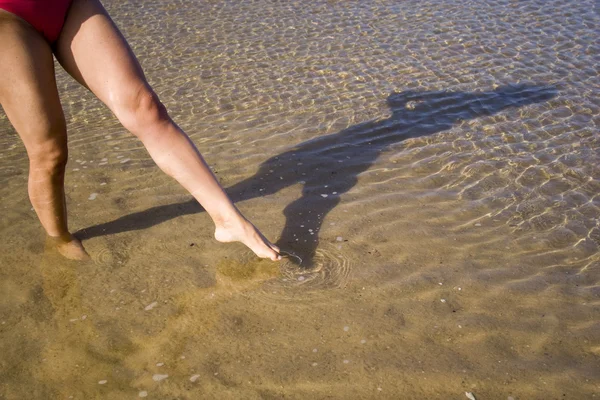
(435, 164)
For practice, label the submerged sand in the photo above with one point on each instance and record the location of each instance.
(434, 164)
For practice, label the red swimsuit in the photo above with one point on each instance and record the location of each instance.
(46, 16)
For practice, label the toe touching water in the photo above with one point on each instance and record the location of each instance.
(242, 230)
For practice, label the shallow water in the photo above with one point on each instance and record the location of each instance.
(434, 164)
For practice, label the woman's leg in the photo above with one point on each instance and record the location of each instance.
(95, 53)
(29, 97)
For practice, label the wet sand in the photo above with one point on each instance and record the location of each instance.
(434, 164)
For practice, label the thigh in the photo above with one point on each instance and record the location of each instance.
(28, 90)
(93, 51)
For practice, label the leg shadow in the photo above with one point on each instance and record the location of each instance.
(328, 166)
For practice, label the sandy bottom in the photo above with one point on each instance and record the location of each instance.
(433, 164)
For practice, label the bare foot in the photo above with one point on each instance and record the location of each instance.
(70, 247)
(243, 231)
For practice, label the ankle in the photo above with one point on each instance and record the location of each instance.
(62, 238)
(229, 220)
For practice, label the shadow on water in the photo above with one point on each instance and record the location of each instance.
(337, 159)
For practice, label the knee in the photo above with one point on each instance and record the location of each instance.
(141, 111)
(48, 157)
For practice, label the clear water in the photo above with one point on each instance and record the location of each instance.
(434, 164)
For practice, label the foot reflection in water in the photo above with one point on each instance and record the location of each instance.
(328, 166)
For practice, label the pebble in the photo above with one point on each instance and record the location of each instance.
(363, 341)
(143, 393)
(301, 278)
(324, 195)
(346, 328)
(314, 364)
(194, 378)
(125, 160)
(159, 377)
(315, 350)
(443, 300)
(478, 224)
(151, 306)
(346, 361)
(160, 364)
(93, 196)
(339, 239)
(470, 396)
(102, 382)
